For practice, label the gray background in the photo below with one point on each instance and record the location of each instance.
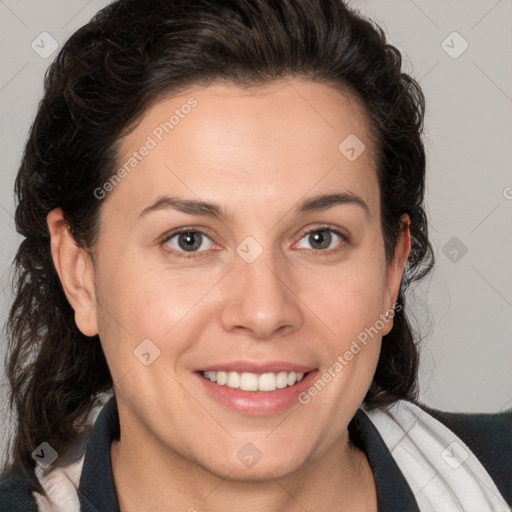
(464, 310)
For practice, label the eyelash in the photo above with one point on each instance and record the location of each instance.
(344, 241)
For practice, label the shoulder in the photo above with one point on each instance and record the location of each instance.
(488, 436)
(59, 481)
(16, 487)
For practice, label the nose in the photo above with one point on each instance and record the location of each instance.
(259, 298)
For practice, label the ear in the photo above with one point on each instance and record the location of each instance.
(396, 267)
(76, 272)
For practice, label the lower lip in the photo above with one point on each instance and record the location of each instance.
(258, 403)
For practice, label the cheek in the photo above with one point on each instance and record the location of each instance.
(170, 298)
(137, 301)
(348, 297)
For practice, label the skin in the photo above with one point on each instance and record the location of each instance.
(257, 153)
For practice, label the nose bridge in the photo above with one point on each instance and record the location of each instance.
(259, 298)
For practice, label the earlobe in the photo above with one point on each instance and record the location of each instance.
(76, 273)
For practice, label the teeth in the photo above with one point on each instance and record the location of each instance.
(254, 382)
(267, 382)
(292, 378)
(282, 380)
(211, 376)
(248, 382)
(233, 380)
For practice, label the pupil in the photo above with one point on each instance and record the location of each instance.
(322, 237)
(188, 241)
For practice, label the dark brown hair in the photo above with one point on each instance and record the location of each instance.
(105, 77)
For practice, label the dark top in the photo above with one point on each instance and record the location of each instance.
(489, 436)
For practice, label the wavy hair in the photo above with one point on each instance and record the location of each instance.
(131, 54)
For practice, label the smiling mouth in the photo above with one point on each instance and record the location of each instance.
(248, 381)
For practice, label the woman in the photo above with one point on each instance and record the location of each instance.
(222, 205)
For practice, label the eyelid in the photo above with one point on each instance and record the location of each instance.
(185, 229)
(327, 227)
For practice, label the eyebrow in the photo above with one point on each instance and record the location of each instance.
(197, 207)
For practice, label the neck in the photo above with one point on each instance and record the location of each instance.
(148, 478)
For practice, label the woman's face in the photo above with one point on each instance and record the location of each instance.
(270, 280)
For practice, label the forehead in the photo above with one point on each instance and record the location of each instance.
(258, 145)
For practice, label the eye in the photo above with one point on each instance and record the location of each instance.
(190, 243)
(322, 238)
(187, 241)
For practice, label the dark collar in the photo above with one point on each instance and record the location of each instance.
(97, 491)
(393, 491)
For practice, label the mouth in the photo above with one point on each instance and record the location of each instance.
(247, 381)
(259, 392)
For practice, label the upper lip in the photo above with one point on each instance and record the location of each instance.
(257, 367)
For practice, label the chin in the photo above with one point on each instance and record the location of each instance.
(250, 465)
(260, 472)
